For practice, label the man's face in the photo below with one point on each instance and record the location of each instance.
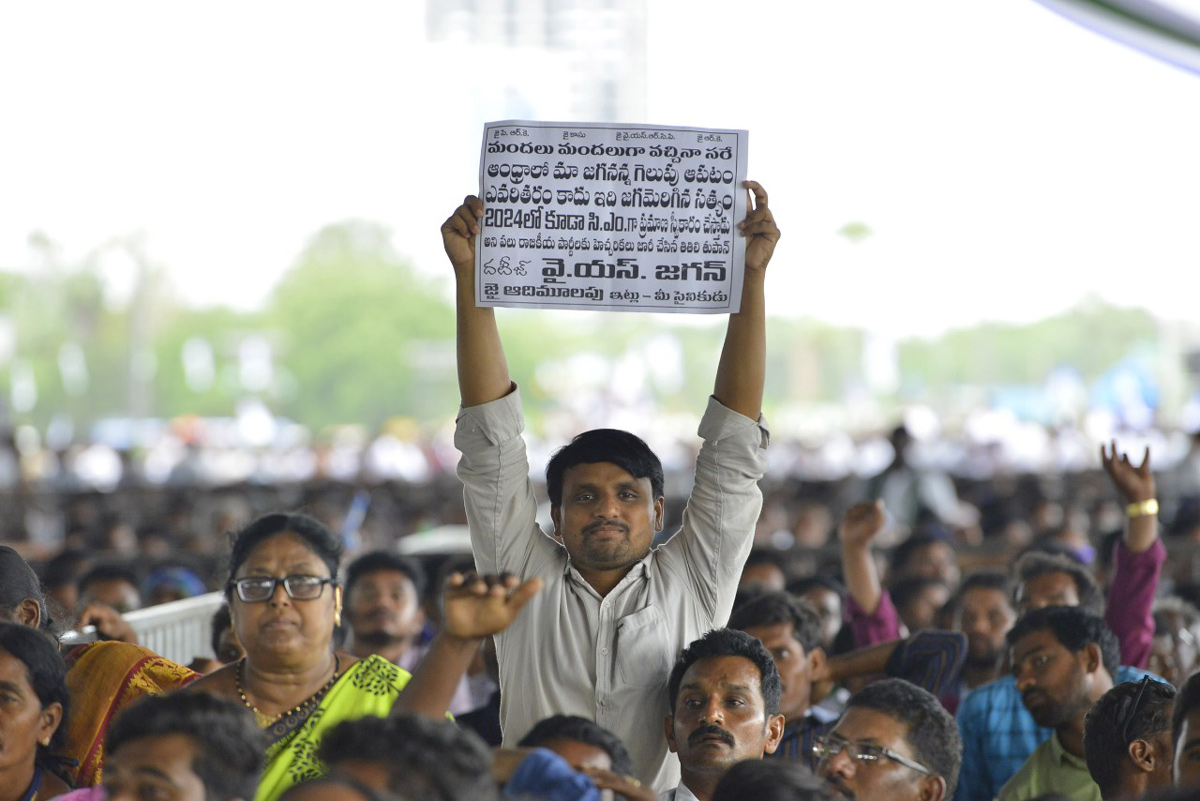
(579, 754)
(1048, 589)
(1051, 679)
(720, 716)
(1187, 751)
(117, 593)
(794, 665)
(936, 560)
(829, 608)
(607, 518)
(158, 767)
(383, 607)
(985, 616)
(882, 780)
(921, 610)
(762, 576)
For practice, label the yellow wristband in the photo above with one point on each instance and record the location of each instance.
(1142, 508)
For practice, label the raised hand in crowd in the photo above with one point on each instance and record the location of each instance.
(108, 622)
(476, 606)
(1137, 487)
(861, 524)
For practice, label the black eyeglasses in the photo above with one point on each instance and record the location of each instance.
(262, 588)
(1132, 710)
(826, 748)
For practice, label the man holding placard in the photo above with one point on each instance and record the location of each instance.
(601, 637)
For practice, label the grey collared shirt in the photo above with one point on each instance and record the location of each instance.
(608, 659)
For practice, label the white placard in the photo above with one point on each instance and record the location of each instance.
(610, 216)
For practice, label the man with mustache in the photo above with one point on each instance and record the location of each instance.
(894, 742)
(598, 641)
(1063, 659)
(724, 693)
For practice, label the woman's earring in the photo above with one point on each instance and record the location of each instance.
(46, 741)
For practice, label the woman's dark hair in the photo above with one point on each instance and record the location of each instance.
(47, 675)
(627, 451)
(319, 539)
(18, 582)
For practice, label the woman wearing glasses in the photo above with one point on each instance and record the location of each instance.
(285, 601)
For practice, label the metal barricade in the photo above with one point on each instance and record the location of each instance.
(179, 630)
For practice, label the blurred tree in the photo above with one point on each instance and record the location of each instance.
(355, 326)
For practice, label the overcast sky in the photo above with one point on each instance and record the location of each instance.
(1007, 161)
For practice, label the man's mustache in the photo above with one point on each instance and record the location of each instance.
(710, 731)
(588, 529)
(842, 789)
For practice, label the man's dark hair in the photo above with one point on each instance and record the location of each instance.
(109, 572)
(376, 561)
(1075, 628)
(1039, 563)
(907, 590)
(1187, 700)
(770, 780)
(229, 746)
(929, 728)
(1108, 729)
(220, 622)
(433, 760)
(903, 553)
(771, 608)
(729, 642)
(66, 568)
(621, 448)
(987, 580)
(574, 727)
(803, 585)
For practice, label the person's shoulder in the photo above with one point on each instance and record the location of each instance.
(221, 682)
(987, 698)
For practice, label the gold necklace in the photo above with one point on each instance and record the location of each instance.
(265, 720)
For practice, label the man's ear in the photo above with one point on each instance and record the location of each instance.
(556, 516)
(774, 733)
(933, 788)
(660, 513)
(816, 662)
(1093, 659)
(29, 613)
(1144, 755)
(669, 732)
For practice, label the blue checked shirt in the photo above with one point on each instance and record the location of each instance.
(999, 735)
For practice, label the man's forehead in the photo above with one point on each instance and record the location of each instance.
(725, 672)
(862, 724)
(1035, 641)
(600, 473)
(774, 633)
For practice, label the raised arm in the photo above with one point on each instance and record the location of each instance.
(475, 607)
(742, 369)
(1138, 559)
(482, 369)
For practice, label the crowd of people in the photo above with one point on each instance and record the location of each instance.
(877, 639)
